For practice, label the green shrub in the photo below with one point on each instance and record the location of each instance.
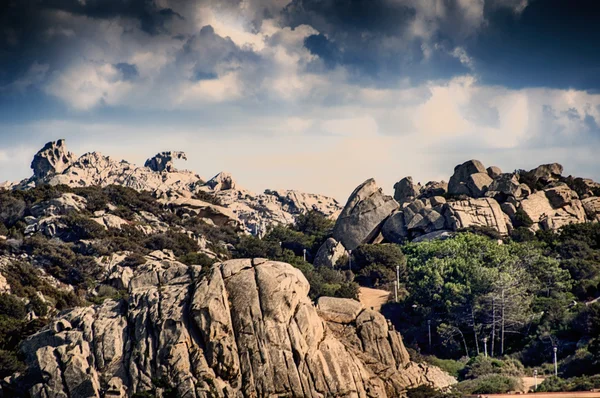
(451, 366)
(82, 227)
(208, 197)
(489, 384)
(178, 242)
(10, 363)
(133, 260)
(12, 306)
(376, 275)
(197, 259)
(522, 219)
(482, 366)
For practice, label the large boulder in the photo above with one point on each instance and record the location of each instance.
(478, 184)
(329, 253)
(505, 185)
(247, 328)
(560, 195)
(484, 212)
(592, 208)
(361, 218)
(458, 184)
(163, 161)
(547, 172)
(540, 210)
(394, 228)
(221, 182)
(434, 188)
(406, 191)
(494, 171)
(53, 158)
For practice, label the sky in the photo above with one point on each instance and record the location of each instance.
(314, 95)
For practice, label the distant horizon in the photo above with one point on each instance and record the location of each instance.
(315, 96)
(183, 165)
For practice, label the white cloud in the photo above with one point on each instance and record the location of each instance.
(88, 84)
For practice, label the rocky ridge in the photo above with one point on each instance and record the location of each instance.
(246, 329)
(255, 213)
(474, 197)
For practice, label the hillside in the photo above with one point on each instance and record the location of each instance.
(121, 280)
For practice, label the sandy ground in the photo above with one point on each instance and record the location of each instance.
(529, 383)
(373, 298)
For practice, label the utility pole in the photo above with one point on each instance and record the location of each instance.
(535, 378)
(397, 285)
(350, 260)
(429, 328)
(555, 362)
(304, 254)
(502, 330)
(485, 346)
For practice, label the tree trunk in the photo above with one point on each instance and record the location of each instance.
(493, 325)
(475, 330)
(502, 331)
(464, 342)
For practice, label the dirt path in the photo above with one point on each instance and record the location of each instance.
(373, 298)
(529, 383)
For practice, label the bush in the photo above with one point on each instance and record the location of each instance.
(387, 256)
(12, 306)
(208, 197)
(522, 234)
(178, 242)
(376, 275)
(522, 219)
(197, 259)
(451, 366)
(489, 384)
(133, 260)
(482, 366)
(82, 227)
(9, 363)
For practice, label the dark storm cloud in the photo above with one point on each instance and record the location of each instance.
(540, 43)
(552, 43)
(211, 54)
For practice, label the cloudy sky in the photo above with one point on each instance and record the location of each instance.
(315, 95)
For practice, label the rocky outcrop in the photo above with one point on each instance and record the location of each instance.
(546, 173)
(406, 191)
(461, 182)
(163, 161)
(484, 212)
(553, 208)
(494, 171)
(246, 329)
(330, 252)
(52, 159)
(362, 217)
(592, 208)
(255, 212)
(221, 182)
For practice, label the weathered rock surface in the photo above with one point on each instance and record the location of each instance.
(52, 159)
(247, 329)
(406, 191)
(164, 161)
(592, 208)
(394, 228)
(361, 218)
(484, 212)
(494, 171)
(547, 172)
(256, 212)
(329, 253)
(458, 184)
